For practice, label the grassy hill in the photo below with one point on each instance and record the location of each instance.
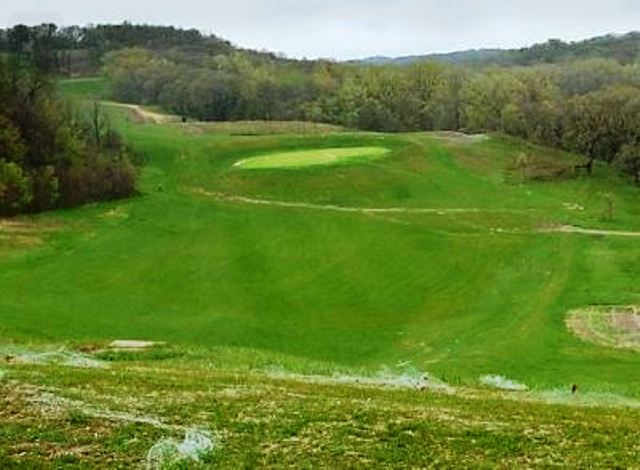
(439, 264)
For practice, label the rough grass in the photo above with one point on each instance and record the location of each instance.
(61, 417)
(306, 158)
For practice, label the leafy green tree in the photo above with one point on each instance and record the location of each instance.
(15, 188)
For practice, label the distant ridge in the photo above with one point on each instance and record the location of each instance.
(624, 48)
(467, 56)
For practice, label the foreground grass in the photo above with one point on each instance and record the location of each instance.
(55, 416)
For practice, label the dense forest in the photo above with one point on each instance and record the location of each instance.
(52, 155)
(77, 50)
(583, 97)
(588, 105)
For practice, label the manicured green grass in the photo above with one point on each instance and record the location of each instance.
(305, 158)
(459, 294)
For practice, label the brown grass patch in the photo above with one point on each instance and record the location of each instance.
(459, 138)
(612, 326)
(251, 128)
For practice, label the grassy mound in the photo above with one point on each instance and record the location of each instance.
(304, 158)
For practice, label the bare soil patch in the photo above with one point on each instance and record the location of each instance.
(133, 345)
(141, 115)
(588, 231)
(334, 208)
(611, 326)
(459, 138)
(253, 128)
(23, 233)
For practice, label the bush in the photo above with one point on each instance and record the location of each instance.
(15, 188)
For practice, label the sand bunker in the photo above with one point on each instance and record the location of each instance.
(611, 326)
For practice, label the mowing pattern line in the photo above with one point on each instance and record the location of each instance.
(568, 229)
(348, 209)
(588, 231)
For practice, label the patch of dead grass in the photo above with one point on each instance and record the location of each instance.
(611, 326)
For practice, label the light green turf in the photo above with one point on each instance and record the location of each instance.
(318, 157)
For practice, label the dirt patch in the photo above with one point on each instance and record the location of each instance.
(133, 345)
(256, 128)
(564, 396)
(611, 326)
(115, 213)
(22, 226)
(502, 383)
(334, 208)
(141, 115)
(61, 357)
(21, 240)
(459, 138)
(571, 206)
(23, 234)
(407, 379)
(588, 231)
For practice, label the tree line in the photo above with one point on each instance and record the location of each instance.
(79, 50)
(590, 107)
(52, 155)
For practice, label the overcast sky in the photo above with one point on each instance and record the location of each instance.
(345, 29)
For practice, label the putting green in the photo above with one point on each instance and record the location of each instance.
(300, 159)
